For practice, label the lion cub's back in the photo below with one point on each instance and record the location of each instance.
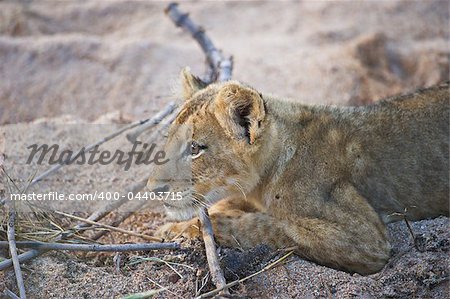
(407, 142)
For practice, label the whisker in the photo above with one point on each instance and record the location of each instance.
(236, 183)
(198, 201)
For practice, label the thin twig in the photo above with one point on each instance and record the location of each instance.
(11, 234)
(133, 136)
(93, 247)
(146, 237)
(221, 66)
(408, 225)
(24, 257)
(31, 254)
(10, 294)
(163, 127)
(122, 217)
(13, 249)
(211, 252)
(236, 282)
(414, 237)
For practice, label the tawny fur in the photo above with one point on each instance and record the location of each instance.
(324, 179)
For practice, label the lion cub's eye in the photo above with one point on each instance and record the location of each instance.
(196, 149)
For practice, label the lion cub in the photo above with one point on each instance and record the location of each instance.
(323, 179)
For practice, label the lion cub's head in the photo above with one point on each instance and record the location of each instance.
(213, 146)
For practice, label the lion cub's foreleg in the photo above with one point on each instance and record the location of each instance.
(236, 223)
(352, 239)
(347, 235)
(221, 213)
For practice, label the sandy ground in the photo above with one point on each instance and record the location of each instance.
(65, 65)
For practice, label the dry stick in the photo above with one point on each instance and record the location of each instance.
(146, 237)
(221, 69)
(10, 211)
(93, 247)
(211, 253)
(13, 249)
(164, 127)
(133, 136)
(416, 245)
(122, 217)
(408, 225)
(151, 122)
(236, 282)
(10, 294)
(24, 257)
(221, 66)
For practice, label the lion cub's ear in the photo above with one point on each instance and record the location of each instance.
(191, 83)
(240, 111)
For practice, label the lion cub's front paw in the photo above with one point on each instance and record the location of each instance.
(174, 230)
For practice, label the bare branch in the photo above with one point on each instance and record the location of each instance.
(133, 136)
(44, 247)
(93, 247)
(13, 249)
(10, 294)
(211, 252)
(24, 257)
(221, 66)
(145, 237)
